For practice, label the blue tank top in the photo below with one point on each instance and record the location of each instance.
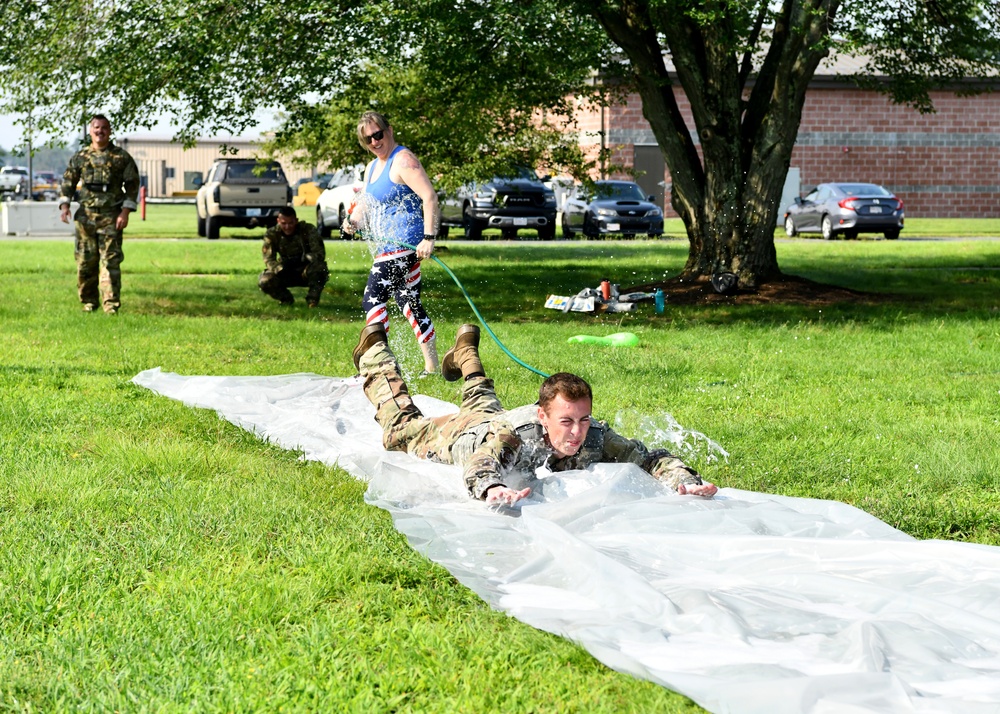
(394, 212)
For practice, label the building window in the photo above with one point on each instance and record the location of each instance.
(168, 172)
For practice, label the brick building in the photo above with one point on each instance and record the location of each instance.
(945, 164)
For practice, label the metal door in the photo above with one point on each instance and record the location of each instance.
(649, 164)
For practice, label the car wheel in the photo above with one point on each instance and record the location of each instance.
(212, 228)
(567, 231)
(790, 227)
(201, 227)
(588, 228)
(826, 228)
(891, 235)
(547, 232)
(324, 230)
(442, 231)
(473, 227)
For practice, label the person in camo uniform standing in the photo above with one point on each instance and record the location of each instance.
(489, 442)
(109, 190)
(294, 256)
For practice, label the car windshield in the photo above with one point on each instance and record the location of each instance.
(341, 177)
(619, 191)
(862, 189)
(248, 170)
(520, 172)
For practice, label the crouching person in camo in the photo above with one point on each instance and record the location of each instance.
(488, 441)
(294, 256)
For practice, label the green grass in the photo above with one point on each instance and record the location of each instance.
(157, 558)
(179, 221)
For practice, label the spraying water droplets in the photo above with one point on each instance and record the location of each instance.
(664, 432)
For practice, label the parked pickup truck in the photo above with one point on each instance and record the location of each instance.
(509, 204)
(244, 193)
(14, 181)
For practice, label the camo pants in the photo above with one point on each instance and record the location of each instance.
(99, 257)
(312, 274)
(477, 438)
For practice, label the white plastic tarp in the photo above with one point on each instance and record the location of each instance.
(747, 602)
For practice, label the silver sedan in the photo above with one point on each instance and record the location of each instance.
(848, 209)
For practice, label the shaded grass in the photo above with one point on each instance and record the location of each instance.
(158, 558)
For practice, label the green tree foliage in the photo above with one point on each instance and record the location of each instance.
(473, 87)
(476, 86)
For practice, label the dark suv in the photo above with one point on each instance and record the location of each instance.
(509, 204)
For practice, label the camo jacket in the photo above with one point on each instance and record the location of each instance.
(303, 246)
(602, 445)
(108, 180)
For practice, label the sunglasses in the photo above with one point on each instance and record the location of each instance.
(377, 136)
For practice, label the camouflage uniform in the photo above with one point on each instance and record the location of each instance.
(110, 183)
(487, 441)
(298, 260)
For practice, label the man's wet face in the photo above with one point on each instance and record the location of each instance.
(566, 424)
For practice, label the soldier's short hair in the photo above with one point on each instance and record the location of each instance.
(569, 386)
(99, 116)
(375, 118)
(287, 212)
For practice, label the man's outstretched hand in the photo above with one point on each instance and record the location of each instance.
(697, 489)
(503, 496)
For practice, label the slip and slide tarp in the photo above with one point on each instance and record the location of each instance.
(747, 602)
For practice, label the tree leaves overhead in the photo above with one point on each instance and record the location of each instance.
(919, 45)
(470, 86)
(477, 86)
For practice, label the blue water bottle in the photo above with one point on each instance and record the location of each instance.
(659, 301)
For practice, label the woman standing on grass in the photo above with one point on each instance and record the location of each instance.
(399, 205)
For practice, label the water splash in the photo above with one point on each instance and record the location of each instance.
(378, 225)
(664, 432)
(372, 219)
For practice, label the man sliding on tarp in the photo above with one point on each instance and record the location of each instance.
(489, 442)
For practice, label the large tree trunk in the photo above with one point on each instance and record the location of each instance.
(728, 197)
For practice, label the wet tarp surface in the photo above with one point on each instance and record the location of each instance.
(747, 602)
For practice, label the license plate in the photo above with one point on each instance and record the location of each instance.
(614, 227)
(874, 209)
(520, 221)
(252, 212)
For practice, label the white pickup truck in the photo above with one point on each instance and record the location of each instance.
(14, 181)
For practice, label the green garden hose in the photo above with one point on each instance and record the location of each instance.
(478, 315)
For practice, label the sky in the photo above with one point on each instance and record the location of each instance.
(11, 135)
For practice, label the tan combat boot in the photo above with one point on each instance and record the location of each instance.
(462, 360)
(370, 336)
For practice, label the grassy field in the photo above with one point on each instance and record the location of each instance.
(178, 221)
(157, 558)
